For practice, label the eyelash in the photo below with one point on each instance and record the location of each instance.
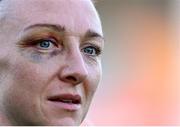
(45, 39)
(96, 49)
(38, 42)
(35, 43)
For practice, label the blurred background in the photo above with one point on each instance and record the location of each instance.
(141, 68)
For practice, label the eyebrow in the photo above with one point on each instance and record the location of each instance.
(92, 34)
(59, 28)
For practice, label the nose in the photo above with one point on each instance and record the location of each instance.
(74, 70)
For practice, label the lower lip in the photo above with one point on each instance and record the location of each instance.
(66, 106)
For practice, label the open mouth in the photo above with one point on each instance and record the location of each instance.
(66, 98)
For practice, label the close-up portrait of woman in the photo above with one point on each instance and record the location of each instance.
(50, 61)
(89, 62)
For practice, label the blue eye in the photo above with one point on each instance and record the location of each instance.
(45, 44)
(90, 50)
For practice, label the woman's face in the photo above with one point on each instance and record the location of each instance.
(50, 61)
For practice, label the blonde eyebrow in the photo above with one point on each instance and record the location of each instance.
(92, 34)
(59, 28)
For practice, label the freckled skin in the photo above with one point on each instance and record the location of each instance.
(29, 73)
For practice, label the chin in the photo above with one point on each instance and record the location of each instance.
(64, 122)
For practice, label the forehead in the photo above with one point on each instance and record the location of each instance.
(75, 15)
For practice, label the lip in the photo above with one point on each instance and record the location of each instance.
(70, 102)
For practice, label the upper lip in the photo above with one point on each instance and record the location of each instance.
(66, 98)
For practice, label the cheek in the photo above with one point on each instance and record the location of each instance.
(94, 77)
(27, 78)
(26, 84)
(23, 97)
(28, 81)
(90, 86)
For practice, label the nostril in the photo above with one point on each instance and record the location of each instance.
(71, 78)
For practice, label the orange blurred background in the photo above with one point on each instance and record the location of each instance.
(141, 64)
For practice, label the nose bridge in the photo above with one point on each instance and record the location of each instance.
(75, 59)
(75, 70)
